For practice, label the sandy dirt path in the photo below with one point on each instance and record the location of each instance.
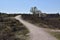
(36, 33)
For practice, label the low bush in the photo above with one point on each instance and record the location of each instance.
(53, 23)
(10, 28)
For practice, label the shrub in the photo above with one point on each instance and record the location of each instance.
(9, 28)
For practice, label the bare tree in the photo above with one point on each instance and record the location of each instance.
(37, 12)
(33, 10)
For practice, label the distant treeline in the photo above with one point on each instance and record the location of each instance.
(8, 15)
(47, 15)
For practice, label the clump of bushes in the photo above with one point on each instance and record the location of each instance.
(10, 28)
(53, 23)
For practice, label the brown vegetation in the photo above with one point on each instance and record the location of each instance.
(51, 22)
(10, 28)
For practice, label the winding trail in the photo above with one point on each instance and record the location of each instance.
(36, 33)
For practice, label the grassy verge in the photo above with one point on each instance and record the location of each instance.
(56, 34)
(12, 29)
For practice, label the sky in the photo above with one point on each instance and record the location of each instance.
(24, 6)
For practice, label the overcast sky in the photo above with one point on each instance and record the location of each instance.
(16, 6)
